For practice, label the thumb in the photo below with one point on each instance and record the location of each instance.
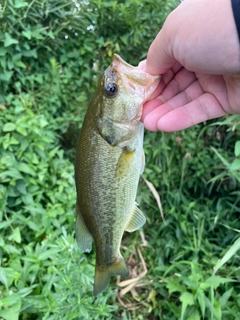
(160, 56)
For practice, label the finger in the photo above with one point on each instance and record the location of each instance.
(149, 106)
(142, 65)
(157, 108)
(159, 60)
(181, 81)
(233, 89)
(176, 67)
(165, 79)
(202, 109)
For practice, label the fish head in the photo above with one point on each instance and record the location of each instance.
(124, 90)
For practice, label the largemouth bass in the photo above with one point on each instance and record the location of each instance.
(109, 162)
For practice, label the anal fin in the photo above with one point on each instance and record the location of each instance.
(136, 221)
(83, 236)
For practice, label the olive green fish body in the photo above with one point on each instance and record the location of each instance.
(109, 162)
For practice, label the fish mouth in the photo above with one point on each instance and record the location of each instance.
(119, 62)
(137, 79)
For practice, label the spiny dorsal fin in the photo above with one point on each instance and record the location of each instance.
(136, 221)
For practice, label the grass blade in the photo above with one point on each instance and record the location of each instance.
(228, 255)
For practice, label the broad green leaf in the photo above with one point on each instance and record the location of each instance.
(3, 51)
(19, 4)
(3, 277)
(5, 224)
(15, 297)
(51, 35)
(22, 130)
(21, 186)
(9, 127)
(10, 65)
(215, 281)
(16, 57)
(16, 235)
(218, 311)
(187, 299)
(9, 40)
(30, 258)
(11, 249)
(225, 297)
(27, 34)
(6, 76)
(33, 225)
(173, 285)
(194, 315)
(237, 149)
(23, 167)
(20, 64)
(27, 198)
(201, 300)
(30, 53)
(235, 165)
(48, 254)
(12, 275)
(11, 313)
(13, 141)
(3, 199)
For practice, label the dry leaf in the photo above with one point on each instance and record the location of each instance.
(156, 196)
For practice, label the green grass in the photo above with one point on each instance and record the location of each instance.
(201, 227)
(192, 256)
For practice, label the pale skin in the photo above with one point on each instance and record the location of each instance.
(198, 54)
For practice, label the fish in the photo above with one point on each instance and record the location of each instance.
(108, 165)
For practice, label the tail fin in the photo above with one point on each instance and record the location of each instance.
(104, 274)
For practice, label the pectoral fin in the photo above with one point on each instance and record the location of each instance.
(136, 221)
(124, 163)
(83, 236)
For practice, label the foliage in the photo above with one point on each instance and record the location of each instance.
(201, 204)
(52, 53)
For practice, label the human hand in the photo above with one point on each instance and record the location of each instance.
(198, 54)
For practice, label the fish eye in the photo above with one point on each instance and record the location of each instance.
(111, 89)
